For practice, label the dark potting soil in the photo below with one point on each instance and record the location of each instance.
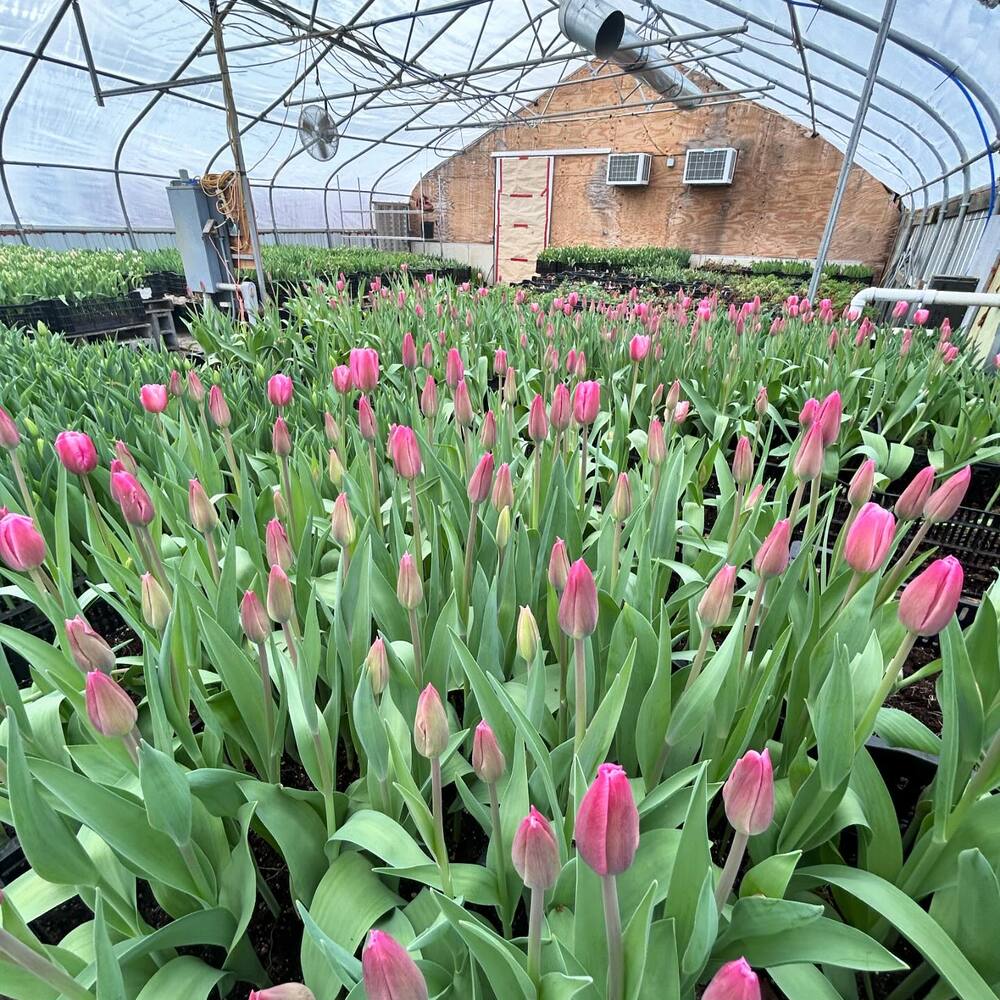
(920, 698)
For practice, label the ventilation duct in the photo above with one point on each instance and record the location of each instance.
(600, 28)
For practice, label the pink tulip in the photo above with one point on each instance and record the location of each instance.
(869, 539)
(586, 402)
(535, 852)
(110, 710)
(673, 396)
(76, 451)
(930, 599)
(201, 510)
(276, 545)
(761, 402)
(363, 362)
(175, 384)
(772, 556)
(342, 380)
(481, 479)
(743, 461)
(503, 488)
(829, 416)
(388, 971)
(900, 309)
(427, 355)
(500, 363)
(195, 387)
(607, 822)
(409, 352)
(280, 605)
(558, 572)
(88, 649)
(463, 404)
(921, 316)
(681, 411)
(253, 619)
(409, 588)
(808, 413)
(578, 609)
(717, 601)
(280, 390)
(342, 522)
(862, 483)
(284, 991)
(281, 439)
(429, 397)
(734, 981)
(218, 409)
(808, 462)
(906, 344)
(538, 422)
(942, 504)
(638, 347)
(153, 398)
(430, 724)
(488, 433)
(137, 508)
(656, 447)
(22, 548)
(748, 794)
(560, 412)
(910, 504)
(404, 450)
(487, 758)
(454, 368)
(10, 437)
(366, 420)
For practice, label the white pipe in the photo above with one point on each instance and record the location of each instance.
(925, 296)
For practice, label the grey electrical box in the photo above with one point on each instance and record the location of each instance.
(202, 235)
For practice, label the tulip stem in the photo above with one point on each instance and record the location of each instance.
(286, 485)
(758, 597)
(501, 855)
(814, 488)
(438, 811)
(616, 546)
(470, 548)
(838, 551)
(613, 926)
(132, 745)
(583, 464)
(852, 589)
(895, 575)
(580, 685)
(376, 493)
(29, 503)
(796, 503)
(227, 441)
(563, 677)
(536, 914)
(735, 526)
(536, 486)
(26, 958)
(190, 860)
(733, 861)
(213, 556)
(699, 658)
(978, 785)
(95, 512)
(884, 689)
(156, 566)
(418, 656)
(265, 684)
(415, 518)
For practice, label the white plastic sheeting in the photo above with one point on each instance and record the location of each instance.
(67, 162)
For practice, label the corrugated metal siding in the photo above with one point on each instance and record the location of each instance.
(943, 261)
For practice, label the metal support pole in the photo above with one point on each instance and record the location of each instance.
(852, 145)
(87, 54)
(233, 127)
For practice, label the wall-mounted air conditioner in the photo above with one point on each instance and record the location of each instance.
(710, 166)
(628, 168)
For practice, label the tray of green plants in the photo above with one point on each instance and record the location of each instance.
(630, 259)
(483, 646)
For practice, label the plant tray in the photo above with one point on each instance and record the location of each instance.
(98, 315)
(28, 314)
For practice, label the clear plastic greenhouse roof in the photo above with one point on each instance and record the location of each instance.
(408, 91)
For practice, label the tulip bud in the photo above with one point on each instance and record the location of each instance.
(285, 991)
(607, 822)
(110, 710)
(175, 384)
(503, 528)
(488, 434)
(656, 447)
(195, 387)
(429, 398)
(761, 402)
(88, 649)
(930, 599)
(673, 396)
(487, 758)
(734, 981)
(377, 665)
(409, 588)
(808, 462)
(481, 479)
(772, 556)
(155, 604)
(463, 404)
(900, 309)
(830, 413)
(364, 365)
(743, 461)
(560, 412)
(454, 369)
(342, 522)
(510, 387)
(538, 421)
(281, 440)
(22, 548)
(388, 971)
(218, 409)
(621, 499)
(869, 539)
(586, 402)
(947, 498)
(366, 420)
(335, 468)
(862, 484)
(808, 413)
(342, 380)
(910, 504)
(404, 450)
(279, 596)
(331, 428)
(409, 352)
(748, 794)
(201, 510)
(578, 604)
(430, 724)
(535, 852)
(717, 601)
(153, 398)
(253, 619)
(503, 489)
(10, 436)
(920, 316)
(638, 347)
(126, 459)
(76, 451)
(279, 551)
(681, 411)
(558, 565)
(528, 637)
(280, 504)
(280, 390)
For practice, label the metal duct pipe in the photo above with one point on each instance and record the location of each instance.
(600, 28)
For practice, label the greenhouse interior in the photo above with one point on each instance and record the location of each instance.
(499, 500)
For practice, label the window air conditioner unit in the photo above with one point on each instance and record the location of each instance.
(710, 166)
(628, 168)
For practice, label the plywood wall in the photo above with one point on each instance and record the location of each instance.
(776, 206)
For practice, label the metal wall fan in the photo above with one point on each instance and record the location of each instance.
(318, 132)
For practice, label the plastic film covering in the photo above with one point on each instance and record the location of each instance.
(407, 91)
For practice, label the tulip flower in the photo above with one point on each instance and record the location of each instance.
(429, 398)
(500, 363)
(862, 484)
(673, 398)
(510, 386)
(761, 402)
(156, 606)
(404, 450)
(942, 504)
(276, 545)
(364, 367)
(279, 596)
(488, 434)
(388, 971)
(111, 711)
(281, 440)
(342, 380)
(503, 488)
(900, 309)
(134, 501)
(481, 480)
(638, 347)
(558, 572)
(538, 421)
(607, 836)
(431, 732)
(586, 402)
(410, 594)
(195, 387)
(772, 556)
(920, 316)
(716, 603)
(377, 666)
(463, 405)
(342, 525)
(560, 412)
(454, 369)
(910, 504)
(154, 398)
(829, 417)
(22, 548)
(869, 539)
(681, 411)
(742, 467)
(535, 853)
(284, 991)
(10, 436)
(409, 352)
(808, 462)
(89, 650)
(487, 758)
(174, 384)
(748, 795)
(734, 981)
(253, 620)
(578, 613)
(366, 420)
(656, 448)
(218, 409)
(76, 451)
(808, 413)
